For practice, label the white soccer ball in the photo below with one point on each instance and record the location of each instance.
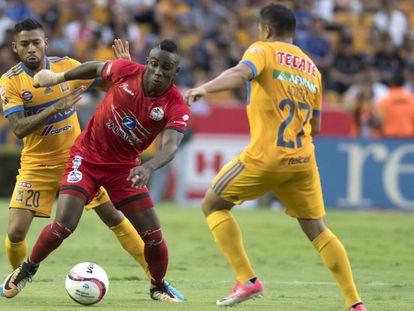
(87, 283)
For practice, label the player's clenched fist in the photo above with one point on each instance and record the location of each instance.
(48, 78)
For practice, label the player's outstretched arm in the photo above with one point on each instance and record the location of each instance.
(229, 79)
(22, 125)
(171, 139)
(85, 71)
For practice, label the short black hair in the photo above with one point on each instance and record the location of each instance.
(280, 18)
(27, 24)
(169, 46)
(397, 79)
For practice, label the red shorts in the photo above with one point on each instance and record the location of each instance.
(83, 179)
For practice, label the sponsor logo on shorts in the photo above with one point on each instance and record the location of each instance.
(75, 176)
(24, 184)
(295, 160)
(157, 114)
(48, 130)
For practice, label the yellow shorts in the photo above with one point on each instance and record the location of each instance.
(299, 192)
(36, 189)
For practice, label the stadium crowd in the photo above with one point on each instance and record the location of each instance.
(360, 46)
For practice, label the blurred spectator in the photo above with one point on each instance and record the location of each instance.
(303, 13)
(8, 58)
(5, 22)
(387, 59)
(409, 77)
(407, 47)
(172, 14)
(213, 33)
(360, 100)
(317, 45)
(50, 17)
(208, 15)
(142, 11)
(18, 10)
(391, 20)
(346, 67)
(396, 111)
(59, 45)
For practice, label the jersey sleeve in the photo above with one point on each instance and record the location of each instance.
(255, 58)
(73, 63)
(178, 116)
(317, 108)
(11, 101)
(117, 69)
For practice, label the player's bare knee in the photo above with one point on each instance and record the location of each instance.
(110, 216)
(68, 222)
(312, 227)
(16, 234)
(206, 207)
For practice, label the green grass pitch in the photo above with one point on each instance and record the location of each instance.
(380, 247)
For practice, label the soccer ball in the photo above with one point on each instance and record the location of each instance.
(87, 283)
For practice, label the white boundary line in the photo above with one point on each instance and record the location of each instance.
(304, 283)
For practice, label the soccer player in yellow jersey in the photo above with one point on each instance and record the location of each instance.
(284, 107)
(46, 120)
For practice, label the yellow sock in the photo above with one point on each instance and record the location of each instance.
(336, 260)
(132, 243)
(228, 237)
(16, 252)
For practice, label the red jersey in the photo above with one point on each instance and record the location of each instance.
(127, 122)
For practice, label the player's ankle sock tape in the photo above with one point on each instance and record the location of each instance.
(216, 218)
(323, 239)
(120, 229)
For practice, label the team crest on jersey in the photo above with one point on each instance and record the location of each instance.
(27, 95)
(157, 114)
(64, 87)
(130, 123)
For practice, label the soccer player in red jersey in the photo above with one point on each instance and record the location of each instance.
(141, 103)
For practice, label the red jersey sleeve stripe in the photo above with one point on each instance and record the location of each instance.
(103, 70)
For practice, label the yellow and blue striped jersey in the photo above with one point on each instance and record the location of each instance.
(284, 94)
(49, 144)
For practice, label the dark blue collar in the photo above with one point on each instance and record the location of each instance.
(31, 73)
